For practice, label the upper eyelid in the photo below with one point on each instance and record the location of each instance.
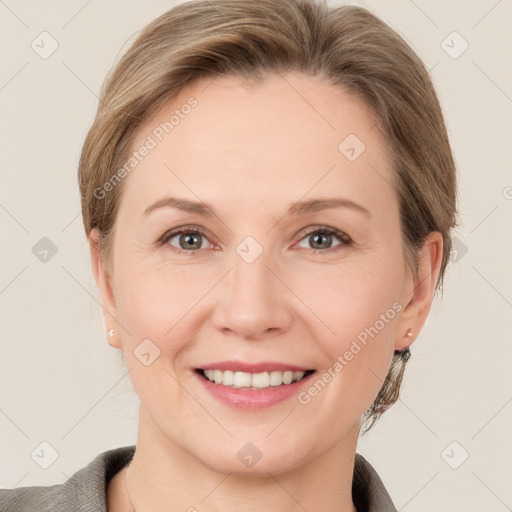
(171, 233)
(308, 230)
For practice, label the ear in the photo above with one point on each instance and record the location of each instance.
(104, 283)
(420, 290)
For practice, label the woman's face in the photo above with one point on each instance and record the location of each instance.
(243, 290)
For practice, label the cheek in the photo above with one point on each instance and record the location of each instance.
(355, 303)
(360, 309)
(157, 307)
(159, 302)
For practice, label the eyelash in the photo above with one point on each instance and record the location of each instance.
(325, 230)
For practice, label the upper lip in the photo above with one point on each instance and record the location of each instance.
(265, 366)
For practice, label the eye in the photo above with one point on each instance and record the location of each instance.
(191, 239)
(322, 236)
(188, 238)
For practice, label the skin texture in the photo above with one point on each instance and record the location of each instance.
(251, 151)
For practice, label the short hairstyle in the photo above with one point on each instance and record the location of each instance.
(346, 45)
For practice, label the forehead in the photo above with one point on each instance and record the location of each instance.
(278, 139)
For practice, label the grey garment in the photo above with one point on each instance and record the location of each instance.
(85, 491)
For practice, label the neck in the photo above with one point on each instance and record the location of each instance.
(164, 476)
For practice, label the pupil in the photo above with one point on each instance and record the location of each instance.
(190, 241)
(317, 236)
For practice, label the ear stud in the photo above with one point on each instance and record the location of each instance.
(408, 333)
(111, 332)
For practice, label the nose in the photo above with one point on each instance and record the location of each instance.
(254, 303)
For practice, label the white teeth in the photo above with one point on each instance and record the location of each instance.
(297, 376)
(260, 380)
(228, 378)
(276, 378)
(242, 380)
(254, 380)
(287, 377)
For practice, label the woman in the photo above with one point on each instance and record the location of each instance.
(268, 193)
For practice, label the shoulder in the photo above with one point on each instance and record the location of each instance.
(83, 492)
(368, 490)
(27, 498)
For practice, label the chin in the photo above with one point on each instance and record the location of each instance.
(256, 458)
(275, 464)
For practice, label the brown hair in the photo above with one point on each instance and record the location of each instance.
(346, 45)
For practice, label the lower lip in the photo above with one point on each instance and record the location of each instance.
(253, 399)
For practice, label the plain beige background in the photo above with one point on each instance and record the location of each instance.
(62, 384)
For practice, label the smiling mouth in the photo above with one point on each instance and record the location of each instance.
(247, 380)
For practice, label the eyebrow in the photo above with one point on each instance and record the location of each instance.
(296, 209)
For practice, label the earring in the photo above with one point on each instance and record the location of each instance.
(405, 352)
(111, 332)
